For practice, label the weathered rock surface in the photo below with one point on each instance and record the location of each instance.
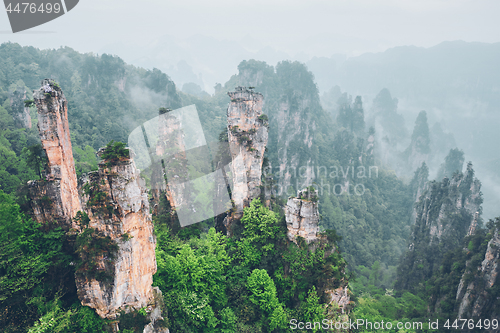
(474, 299)
(341, 297)
(55, 198)
(302, 220)
(135, 261)
(446, 212)
(442, 202)
(130, 226)
(302, 216)
(116, 202)
(247, 135)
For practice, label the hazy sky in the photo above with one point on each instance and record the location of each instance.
(312, 27)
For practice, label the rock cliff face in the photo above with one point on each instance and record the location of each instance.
(295, 115)
(448, 208)
(475, 299)
(302, 216)
(122, 213)
(446, 212)
(302, 220)
(113, 205)
(170, 149)
(55, 198)
(247, 136)
(20, 112)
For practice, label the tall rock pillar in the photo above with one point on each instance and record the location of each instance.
(56, 197)
(247, 136)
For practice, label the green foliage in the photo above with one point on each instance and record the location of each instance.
(29, 103)
(36, 158)
(85, 160)
(115, 152)
(37, 290)
(163, 110)
(96, 251)
(263, 294)
(98, 200)
(133, 321)
(126, 237)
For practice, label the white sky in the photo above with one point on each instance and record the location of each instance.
(313, 27)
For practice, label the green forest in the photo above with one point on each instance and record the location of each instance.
(377, 228)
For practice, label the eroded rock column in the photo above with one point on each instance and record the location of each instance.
(302, 216)
(55, 198)
(247, 135)
(116, 201)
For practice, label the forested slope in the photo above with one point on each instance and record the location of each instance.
(212, 282)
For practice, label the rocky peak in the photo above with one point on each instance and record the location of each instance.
(453, 162)
(446, 212)
(108, 214)
(476, 298)
(116, 201)
(302, 220)
(247, 137)
(419, 149)
(55, 197)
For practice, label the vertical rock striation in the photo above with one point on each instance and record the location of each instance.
(247, 136)
(446, 211)
(122, 214)
(302, 216)
(302, 220)
(109, 209)
(475, 298)
(56, 197)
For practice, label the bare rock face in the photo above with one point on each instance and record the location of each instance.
(474, 298)
(445, 213)
(463, 194)
(55, 198)
(111, 207)
(302, 220)
(247, 135)
(121, 213)
(20, 112)
(302, 216)
(341, 297)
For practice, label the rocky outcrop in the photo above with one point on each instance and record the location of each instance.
(418, 185)
(443, 202)
(475, 298)
(56, 197)
(446, 212)
(108, 213)
(247, 136)
(20, 112)
(302, 216)
(295, 113)
(419, 150)
(116, 201)
(341, 297)
(302, 220)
